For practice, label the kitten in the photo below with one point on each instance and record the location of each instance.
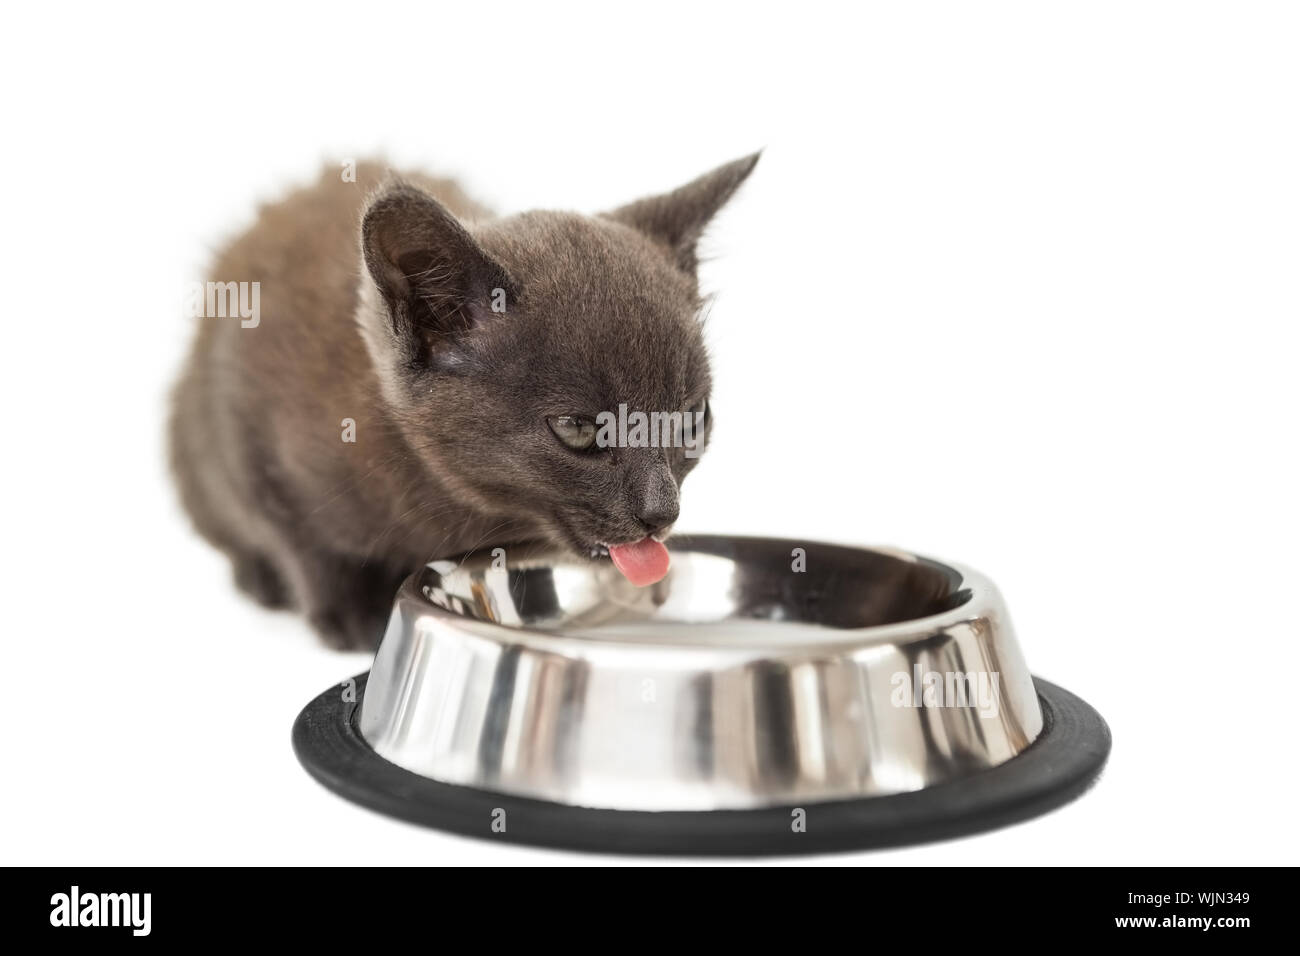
(421, 380)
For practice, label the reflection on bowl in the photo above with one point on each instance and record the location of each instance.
(759, 672)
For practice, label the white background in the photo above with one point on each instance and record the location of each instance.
(1015, 284)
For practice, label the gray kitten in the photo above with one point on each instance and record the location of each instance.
(421, 380)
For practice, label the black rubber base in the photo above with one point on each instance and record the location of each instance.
(1057, 767)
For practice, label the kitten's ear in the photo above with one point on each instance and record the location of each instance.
(677, 219)
(434, 278)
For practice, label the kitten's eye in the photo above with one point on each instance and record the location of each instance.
(577, 433)
(700, 411)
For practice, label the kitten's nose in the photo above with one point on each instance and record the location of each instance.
(657, 505)
(657, 518)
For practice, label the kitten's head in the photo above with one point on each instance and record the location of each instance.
(505, 351)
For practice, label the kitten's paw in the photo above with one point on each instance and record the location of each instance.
(259, 579)
(348, 629)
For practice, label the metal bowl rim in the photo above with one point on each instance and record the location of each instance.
(982, 598)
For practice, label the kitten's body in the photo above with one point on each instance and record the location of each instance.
(396, 331)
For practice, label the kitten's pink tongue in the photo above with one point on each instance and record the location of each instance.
(642, 563)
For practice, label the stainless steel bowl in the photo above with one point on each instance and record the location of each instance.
(758, 673)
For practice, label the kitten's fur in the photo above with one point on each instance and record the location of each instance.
(376, 305)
